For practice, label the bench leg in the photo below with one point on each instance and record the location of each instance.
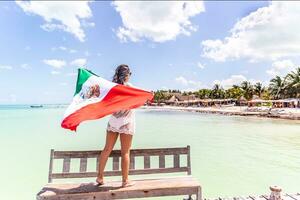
(199, 194)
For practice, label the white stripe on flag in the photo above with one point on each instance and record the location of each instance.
(79, 102)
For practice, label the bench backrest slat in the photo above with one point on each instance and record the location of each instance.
(132, 162)
(66, 164)
(116, 163)
(83, 164)
(146, 154)
(146, 161)
(162, 161)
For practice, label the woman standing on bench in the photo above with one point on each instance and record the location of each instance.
(121, 123)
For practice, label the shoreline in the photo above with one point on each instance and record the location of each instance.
(266, 112)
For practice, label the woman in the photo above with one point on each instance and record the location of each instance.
(121, 123)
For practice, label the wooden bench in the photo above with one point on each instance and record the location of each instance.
(149, 187)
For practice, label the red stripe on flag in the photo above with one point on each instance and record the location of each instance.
(118, 98)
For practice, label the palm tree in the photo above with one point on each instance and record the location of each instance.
(293, 83)
(217, 92)
(203, 93)
(277, 87)
(235, 92)
(259, 89)
(248, 89)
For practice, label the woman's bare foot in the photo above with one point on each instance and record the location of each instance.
(128, 183)
(100, 181)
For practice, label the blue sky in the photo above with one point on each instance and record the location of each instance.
(170, 45)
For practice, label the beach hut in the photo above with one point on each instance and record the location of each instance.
(286, 103)
(171, 101)
(179, 99)
(242, 101)
(257, 101)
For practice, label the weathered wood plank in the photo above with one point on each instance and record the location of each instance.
(241, 198)
(116, 163)
(176, 160)
(162, 161)
(257, 197)
(265, 196)
(50, 166)
(146, 162)
(118, 173)
(189, 160)
(292, 196)
(132, 162)
(83, 164)
(66, 165)
(135, 152)
(97, 163)
(112, 190)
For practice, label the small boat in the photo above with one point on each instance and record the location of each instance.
(36, 106)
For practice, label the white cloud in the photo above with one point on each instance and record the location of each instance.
(7, 67)
(79, 62)
(55, 63)
(25, 66)
(232, 80)
(189, 85)
(60, 15)
(200, 65)
(73, 51)
(62, 48)
(281, 67)
(156, 21)
(270, 32)
(181, 80)
(55, 72)
(235, 80)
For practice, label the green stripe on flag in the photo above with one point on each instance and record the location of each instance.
(83, 75)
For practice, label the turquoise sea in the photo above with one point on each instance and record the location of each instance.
(231, 155)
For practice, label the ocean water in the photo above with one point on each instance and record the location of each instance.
(230, 155)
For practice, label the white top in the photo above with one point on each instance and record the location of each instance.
(122, 121)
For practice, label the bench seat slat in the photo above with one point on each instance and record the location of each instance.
(111, 190)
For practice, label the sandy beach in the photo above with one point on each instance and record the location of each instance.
(281, 113)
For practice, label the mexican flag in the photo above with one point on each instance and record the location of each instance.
(96, 97)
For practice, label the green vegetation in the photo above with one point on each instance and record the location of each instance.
(279, 88)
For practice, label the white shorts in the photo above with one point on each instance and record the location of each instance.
(122, 122)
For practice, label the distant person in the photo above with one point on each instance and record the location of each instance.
(121, 123)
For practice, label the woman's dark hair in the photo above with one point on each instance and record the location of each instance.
(120, 74)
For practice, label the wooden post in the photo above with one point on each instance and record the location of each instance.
(50, 166)
(275, 193)
(189, 160)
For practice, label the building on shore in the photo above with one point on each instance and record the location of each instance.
(286, 103)
(242, 101)
(178, 99)
(191, 100)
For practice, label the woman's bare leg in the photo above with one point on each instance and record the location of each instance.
(111, 138)
(126, 140)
